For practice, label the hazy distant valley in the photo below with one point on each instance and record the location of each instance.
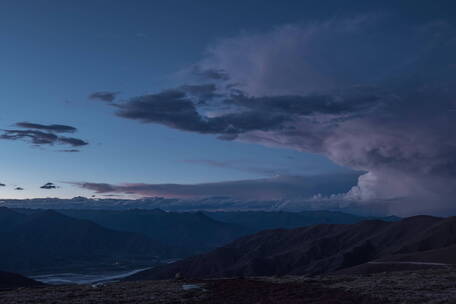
(39, 241)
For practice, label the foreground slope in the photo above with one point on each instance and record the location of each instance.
(316, 249)
(226, 291)
(9, 280)
(422, 286)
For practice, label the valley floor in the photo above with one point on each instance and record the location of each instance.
(423, 286)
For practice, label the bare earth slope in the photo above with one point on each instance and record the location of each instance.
(319, 249)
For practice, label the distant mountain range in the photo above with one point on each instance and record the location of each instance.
(48, 240)
(36, 240)
(196, 232)
(322, 249)
(192, 232)
(210, 204)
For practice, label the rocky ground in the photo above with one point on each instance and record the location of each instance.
(421, 286)
(424, 286)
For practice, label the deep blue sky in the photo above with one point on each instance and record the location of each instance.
(54, 54)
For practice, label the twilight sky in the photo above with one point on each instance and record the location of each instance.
(254, 100)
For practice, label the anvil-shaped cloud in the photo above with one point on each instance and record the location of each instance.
(370, 93)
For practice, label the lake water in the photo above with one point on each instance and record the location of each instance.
(81, 278)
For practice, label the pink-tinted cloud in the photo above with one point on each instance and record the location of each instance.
(366, 95)
(283, 187)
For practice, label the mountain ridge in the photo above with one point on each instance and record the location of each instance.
(317, 249)
(49, 240)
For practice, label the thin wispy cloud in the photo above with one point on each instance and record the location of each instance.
(104, 96)
(51, 128)
(48, 186)
(42, 135)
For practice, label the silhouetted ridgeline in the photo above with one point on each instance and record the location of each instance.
(323, 249)
(255, 221)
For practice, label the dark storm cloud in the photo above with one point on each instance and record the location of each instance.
(282, 187)
(51, 128)
(104, 96)
(351, 102)
(49, 186)
(177, 109)
(170, 108)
